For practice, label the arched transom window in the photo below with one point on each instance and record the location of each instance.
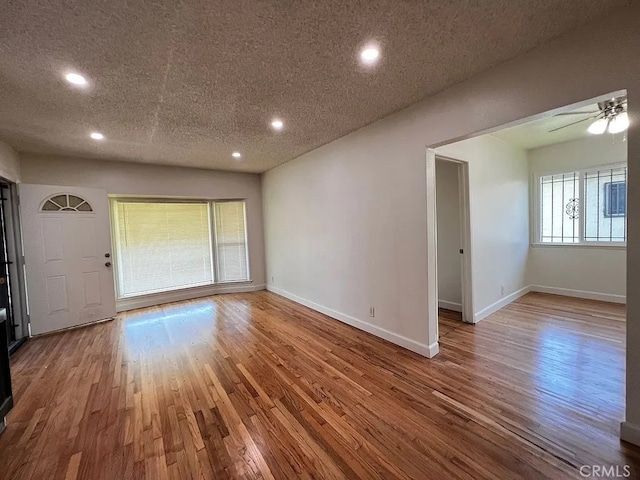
(66, 203)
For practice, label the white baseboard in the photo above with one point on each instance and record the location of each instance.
(124, 304)
(428, 351)
(503, 302)
(605, 297)
(456, 307)
(630, 433)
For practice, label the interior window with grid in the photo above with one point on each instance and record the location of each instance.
(584, 207)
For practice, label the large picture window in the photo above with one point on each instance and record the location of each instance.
(169, 245)
(583, 206)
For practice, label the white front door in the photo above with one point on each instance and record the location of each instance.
(67, 248)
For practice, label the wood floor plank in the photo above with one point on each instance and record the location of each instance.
(256, 386)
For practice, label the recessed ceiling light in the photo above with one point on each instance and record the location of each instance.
(236, 155)
(277, 124)
(370, 55)
(97, 136)
(76, 79)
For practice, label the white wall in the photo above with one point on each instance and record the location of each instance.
(9, 163)
(592, 151)
(499, 213)
(449, 235)
(346, 224)
(595, 272)
(345, 231)
(151, 180)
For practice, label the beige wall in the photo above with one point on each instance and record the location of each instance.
(346, 223)
(596, 272)
(449, 235)
(150, 180)
(9, 163)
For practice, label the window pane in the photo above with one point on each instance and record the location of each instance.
(162, 246)
(560, 208)
(615, 195)
(605, 205)
(231, 241)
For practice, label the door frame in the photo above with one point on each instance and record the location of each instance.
(18, 320)
(17, 269)
(466, 264)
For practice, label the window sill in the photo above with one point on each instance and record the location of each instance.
(150, 299)
(169, 291)
(610, 246)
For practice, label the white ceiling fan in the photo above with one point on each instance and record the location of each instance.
(612, 117)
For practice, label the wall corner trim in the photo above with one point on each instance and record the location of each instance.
(630, 432)
(425, 350)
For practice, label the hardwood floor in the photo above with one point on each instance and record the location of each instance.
(256, 386)
(448, 321)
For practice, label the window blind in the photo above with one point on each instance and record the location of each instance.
(162, 246)
(231, 241)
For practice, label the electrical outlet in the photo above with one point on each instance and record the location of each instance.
(372, 311)
(502, 290)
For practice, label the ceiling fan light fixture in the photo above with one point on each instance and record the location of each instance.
(599, 126)
(619, 123)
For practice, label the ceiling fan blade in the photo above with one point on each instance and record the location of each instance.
(577, 113)
(573, 123)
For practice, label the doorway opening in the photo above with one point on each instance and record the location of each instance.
(455, 297)
(548, 230)
(546, 207)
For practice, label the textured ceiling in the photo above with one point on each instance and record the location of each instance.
(536, 134)
(187, 82)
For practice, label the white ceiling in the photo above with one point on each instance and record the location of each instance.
(536, 134)
(188, 82)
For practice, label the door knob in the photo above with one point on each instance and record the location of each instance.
(107, 255)
(108, 264)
